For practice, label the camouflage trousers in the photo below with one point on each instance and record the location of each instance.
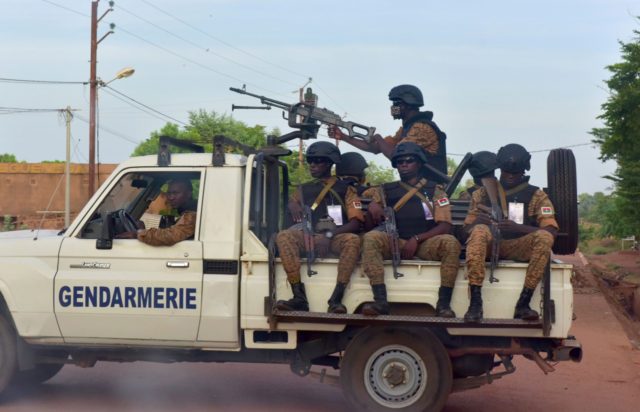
(534, 247)
(444, 248)
(291, 243)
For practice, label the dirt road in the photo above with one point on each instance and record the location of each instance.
(608, 379)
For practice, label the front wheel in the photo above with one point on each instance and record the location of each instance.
(40, 373)
(399, 369)
(8, 356)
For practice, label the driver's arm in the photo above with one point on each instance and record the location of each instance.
(184, 229)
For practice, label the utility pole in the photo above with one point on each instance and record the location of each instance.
(93, 90)
(67, 168)
(301, 98)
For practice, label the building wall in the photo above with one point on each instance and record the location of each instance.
(27, 190)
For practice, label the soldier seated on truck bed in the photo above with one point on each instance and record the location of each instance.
(423, 228)
(351, 171)
(328, 198)
(528, 230)
(179, 196)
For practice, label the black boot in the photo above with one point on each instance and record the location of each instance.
(523, 311)
(443, 307)
(474, 314)
(298, 302)
(381, 306)
(335, 301)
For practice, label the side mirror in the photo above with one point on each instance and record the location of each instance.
(105, 240)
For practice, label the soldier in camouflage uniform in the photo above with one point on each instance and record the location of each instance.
(327, 197)
(179, 196)
(528, 230)
(423, 227)
(351, 171)
(417, 127)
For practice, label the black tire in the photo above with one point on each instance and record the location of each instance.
(8, 355)
(42, 372)
(396, 369)
(562, 190)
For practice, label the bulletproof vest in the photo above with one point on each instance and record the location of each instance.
(311, 190)
(410, 219)
(439, 159)
(522, 196)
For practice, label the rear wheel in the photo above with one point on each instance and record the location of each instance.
(8, 358)
(562, 190)
(41, 372)
(399, 369)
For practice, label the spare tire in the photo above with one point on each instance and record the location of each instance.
(562, 190)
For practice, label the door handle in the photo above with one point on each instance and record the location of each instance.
(178, 264)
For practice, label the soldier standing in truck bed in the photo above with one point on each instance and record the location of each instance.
(423, 220)
(328, 197)
(528, 230)
(417, 127)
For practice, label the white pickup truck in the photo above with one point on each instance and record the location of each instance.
(82, 296)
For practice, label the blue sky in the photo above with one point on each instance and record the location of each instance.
(493, 72)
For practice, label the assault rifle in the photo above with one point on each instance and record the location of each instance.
(310, 115)
(309, 243)
(491, 186)
(392, 231)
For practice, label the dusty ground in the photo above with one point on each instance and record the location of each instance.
(617, 276)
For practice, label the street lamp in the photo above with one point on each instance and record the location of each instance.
(126, 72)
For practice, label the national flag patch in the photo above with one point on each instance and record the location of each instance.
(546, 210)
(357, 205)
(443, 201)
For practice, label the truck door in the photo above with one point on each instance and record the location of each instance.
(131, 292)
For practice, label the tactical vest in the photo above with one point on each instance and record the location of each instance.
(439, 159)
(311, 190)
(410, 219)
(522, 196)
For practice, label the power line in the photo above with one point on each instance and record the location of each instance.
(111, 131)
(147, 112)
(22, 81)
(205, 49)
(224, 42)
(66, 8)
(146, 106)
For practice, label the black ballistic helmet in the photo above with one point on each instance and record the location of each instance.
(408, 149)
(324, 149)
(351, 164)
(483, 164)
(514, 158)
(407, 93)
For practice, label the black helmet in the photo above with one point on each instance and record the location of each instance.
(351, 164)
(514, 158)
(407, 93)
(408, 149)
(483, 164)
(324, 149)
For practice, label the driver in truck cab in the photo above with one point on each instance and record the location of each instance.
(328, 199)
(179, 196)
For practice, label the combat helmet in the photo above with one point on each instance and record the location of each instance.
(407, 93)
(324, 149)
(513, 158)
(483, 164)
(408, 149)
(351, 164)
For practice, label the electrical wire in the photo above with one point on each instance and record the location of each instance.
(146, 106)
(141, 107)
(205, 49)
(222, 41)
(111, 131)
(66, 8)
(21, 81)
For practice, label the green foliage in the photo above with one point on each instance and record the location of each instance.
(202, 127)
(8, 158)
(377, 174)
(8, 224)
(619, 138)
(53, 161)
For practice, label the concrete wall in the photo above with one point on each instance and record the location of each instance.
(26, 189)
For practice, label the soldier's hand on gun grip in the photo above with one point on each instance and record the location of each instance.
(334, 132)
(483, 219)
(322, 245)
(376, 212)
(295, 210)
(409, 249)
(509, 226)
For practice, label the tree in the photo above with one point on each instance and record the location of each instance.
(619, 139)
(8, 158)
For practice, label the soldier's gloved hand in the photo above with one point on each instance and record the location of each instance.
(409, 249)
(376, 212)
(296, 211)
(334, 132)
(322, 245)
